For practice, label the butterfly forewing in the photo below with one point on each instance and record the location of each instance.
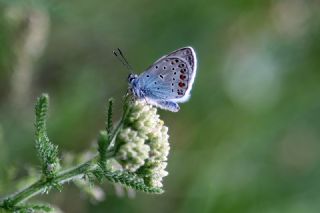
(186, 53)
(167, 79)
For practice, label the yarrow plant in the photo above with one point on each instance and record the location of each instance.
(143, 144)
(132, 153)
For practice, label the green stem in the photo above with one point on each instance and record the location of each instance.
(40, 185)
(116, 130)
(79, 171)
(62, 177)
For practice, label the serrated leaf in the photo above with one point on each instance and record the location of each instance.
(131, 180)
(47, 152)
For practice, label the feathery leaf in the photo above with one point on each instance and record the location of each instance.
(103, 143)
(131, 180)
(32, 208)
(109, 124)
(47, 152)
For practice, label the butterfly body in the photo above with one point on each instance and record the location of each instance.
(168, 81)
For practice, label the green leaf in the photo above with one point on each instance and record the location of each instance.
(26, 208)
(109, 126)
(103, 143)
(131, 180)
(47, 152)
(33, 208)
(41, 109)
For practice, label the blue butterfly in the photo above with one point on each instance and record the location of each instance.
(168, 81)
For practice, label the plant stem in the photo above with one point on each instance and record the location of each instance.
(41, 185)
(77, 172)
(64, 176)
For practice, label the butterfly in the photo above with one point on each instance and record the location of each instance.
(168, 81)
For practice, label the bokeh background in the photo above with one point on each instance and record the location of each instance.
(247, 141)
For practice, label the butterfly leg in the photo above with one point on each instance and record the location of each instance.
(168, 105)
(145, 100)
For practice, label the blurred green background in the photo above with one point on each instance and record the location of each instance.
(247, 141)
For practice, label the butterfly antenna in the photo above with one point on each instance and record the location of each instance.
(122, 59)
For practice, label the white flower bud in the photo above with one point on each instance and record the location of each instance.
(143, 144)
(133, 153)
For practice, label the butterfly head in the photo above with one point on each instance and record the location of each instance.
(133, 88)
(131, 78)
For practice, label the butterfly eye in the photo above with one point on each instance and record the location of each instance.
(131, 77)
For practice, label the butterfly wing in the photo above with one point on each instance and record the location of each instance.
(171, 77)
(188, 54)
